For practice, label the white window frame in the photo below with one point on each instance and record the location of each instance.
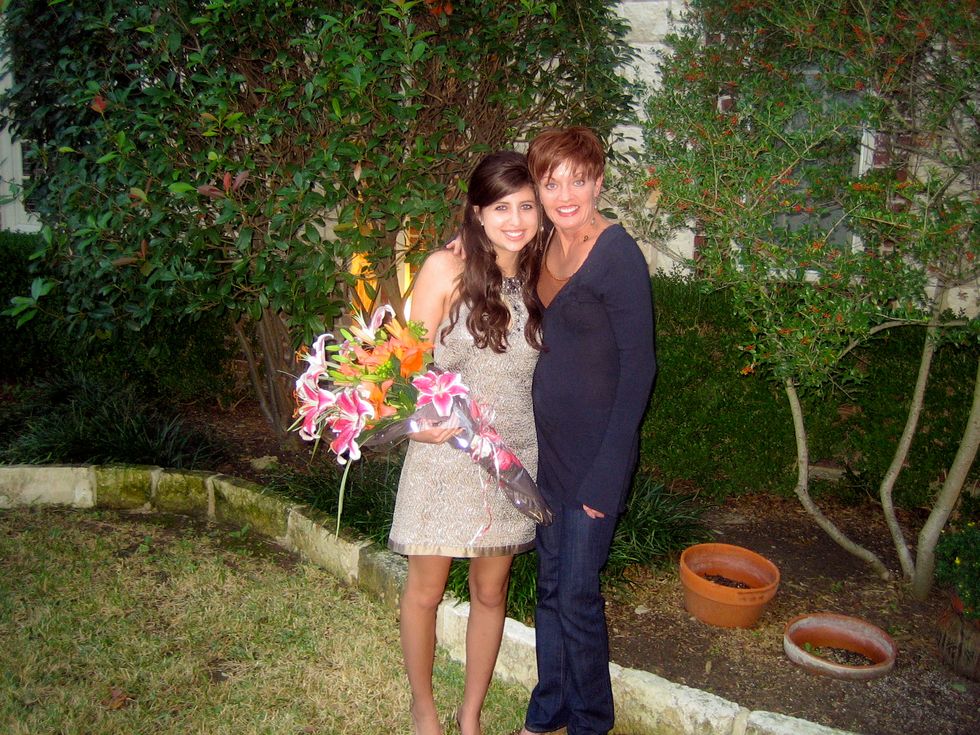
(14, 216)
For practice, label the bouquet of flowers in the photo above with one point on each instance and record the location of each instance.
(377, 386)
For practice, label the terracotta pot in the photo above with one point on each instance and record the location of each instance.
(829, 630)
(718, 604)
(959, 640)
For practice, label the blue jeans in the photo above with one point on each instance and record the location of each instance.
(572, 643)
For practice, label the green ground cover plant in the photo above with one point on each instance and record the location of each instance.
(656, 523)
(80, 418)
(132, 625)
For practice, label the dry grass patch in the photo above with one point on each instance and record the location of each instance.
(115, 623)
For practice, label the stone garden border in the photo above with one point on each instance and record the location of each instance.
(646, 704)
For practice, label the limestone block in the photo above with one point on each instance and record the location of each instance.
(182, 492)
(516, 662)
(119, 486)
(382, 574)
(52, 485)
(648, 703)
(771, 723)
(241, 503)
(312, 537)
(644, 67)
(451, 620)
(649, 19)
(630, 138)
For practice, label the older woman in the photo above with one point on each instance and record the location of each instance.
(590, 389)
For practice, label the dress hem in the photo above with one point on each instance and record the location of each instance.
(459, 552)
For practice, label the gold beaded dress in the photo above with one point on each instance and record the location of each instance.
(447, 504)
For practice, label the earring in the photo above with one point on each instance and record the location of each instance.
(481, 223)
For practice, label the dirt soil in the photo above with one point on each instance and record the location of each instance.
(651, 630)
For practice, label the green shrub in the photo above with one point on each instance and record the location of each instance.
(864, 434)
(240, 155)
(708, 426)
(180, 359)
(712, 429)
(26, 349)
(75, 418)
(958, 565)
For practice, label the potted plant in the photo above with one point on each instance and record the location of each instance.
(726, 585)
(958, 567)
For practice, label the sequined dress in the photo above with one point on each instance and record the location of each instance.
(447, 505)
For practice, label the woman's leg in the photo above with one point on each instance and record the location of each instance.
(488, 605)
(572, 643)
(420, 600)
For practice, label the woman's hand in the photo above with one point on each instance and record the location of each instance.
(592, 512)
(455, 246)
(434, 436)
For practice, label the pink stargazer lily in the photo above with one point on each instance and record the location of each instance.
(367, 332)
(317, 358)
(312, 402)
(439, 389)
(352, 415)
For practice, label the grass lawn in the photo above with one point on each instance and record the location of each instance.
(123, 623)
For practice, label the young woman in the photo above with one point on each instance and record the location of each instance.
(484, 318)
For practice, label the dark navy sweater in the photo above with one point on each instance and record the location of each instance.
(594, 377)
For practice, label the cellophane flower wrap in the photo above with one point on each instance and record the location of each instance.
(377, 385)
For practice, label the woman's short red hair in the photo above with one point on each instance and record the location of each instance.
(577, 146)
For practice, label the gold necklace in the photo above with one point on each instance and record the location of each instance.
(553, 276)
(585, 238)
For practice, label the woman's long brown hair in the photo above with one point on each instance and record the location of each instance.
(498, 175)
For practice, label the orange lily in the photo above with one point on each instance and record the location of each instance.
(375, 394)
(372, 359)
(410, 351)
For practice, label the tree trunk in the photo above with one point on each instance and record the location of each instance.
(887, 486)
(925, 565)
(279, 360)
(270, 369)
(802, 488)
(253, 371)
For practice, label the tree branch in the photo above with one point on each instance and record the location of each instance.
(803, 493)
